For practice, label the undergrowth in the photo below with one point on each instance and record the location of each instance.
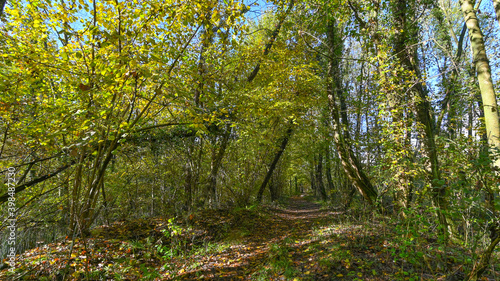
(260, 243)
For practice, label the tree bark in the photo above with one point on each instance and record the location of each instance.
(19, 188)
(88, 211)
(313, 180)
(216, 164)
(484, 261)
(407, 57)
(483, 70)
(188, 184)
(270, 171)
(207, 39)
(274, 187)
(328, 171)
(319, 178)
(448, 80)
(270, 43)
(341, 138)
(490, 109)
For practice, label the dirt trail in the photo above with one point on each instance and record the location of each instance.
(243, 259)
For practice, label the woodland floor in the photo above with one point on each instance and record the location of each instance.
(297, 241)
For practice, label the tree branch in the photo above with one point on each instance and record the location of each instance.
(269, 44)
(2, 5)
(361, 22)
(19, 188)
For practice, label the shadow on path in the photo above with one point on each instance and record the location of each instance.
(294, 222)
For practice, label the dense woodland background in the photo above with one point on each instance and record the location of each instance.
(114, 110)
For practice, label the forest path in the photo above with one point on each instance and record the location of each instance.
(299, 242)
(274, 244)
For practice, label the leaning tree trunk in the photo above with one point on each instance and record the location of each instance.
(350, 163)
(277, 157)
(490, 109)
(481, 265)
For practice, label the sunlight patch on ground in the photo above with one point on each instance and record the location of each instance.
(334, 229)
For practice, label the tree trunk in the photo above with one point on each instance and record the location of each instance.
(341, 138)
(319, 178)
(273, 188)
(407, 57)
(216, 163)
(296, 185)
(90, 182)
(2, 5)
(207, 38)
(484, 261)
(284, 142)
(483, 70)
(313, 180)
(328, 171)
(189, 172)
(188, 185)
(270, 43)
(496, 5)
(490, 109)
(88, 212)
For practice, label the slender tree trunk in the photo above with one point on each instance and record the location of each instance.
(189, 172)
(328, 171)
(274, 187)
(216, 164)
(195, 171)
(283, 145)
(484, 261)
(272, 39)
(207, 39)
(188, 185)
(88, 182)
(75, 198)
(313, 180)
(407, 57)
(88, 212)
(448, 80)
(342, 141)
(319, 178)
(296, 185)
